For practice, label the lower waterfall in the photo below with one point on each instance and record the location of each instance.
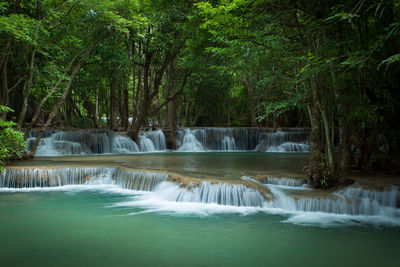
(349, 201)
(289, 196)
(223, 194)
(34, 178)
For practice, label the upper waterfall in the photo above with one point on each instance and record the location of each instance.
(243, 139)
(86, 142)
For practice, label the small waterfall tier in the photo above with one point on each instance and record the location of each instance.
(82, 142)
(243, 139)
(352, 200)
(289, 182)
(190, 143)
(284, 142)
(127, 179)
(206, 192)
(123, 145)
(152, 141)
(85, 142)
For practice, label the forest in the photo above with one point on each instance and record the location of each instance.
(129, 65)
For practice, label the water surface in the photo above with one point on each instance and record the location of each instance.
(221, 165)
(78, 227)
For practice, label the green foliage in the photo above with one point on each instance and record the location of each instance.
(12, 143)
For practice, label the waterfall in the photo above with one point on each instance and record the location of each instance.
(144, 181)
(32, 178)
(146, 145)
(205, 192)
(350, 201)
(86, 142)
(246, 139)
(288, 182)
(123, 145)
(158, 139)
(82, 142)
(224, 139)
(289, 147)
(152, 141)
(190, 143)
(285, 142)
(228, 143)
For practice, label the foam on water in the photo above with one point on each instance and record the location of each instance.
(84, 142)
(190, 143)
(204, 199)
(289, 147)
(124, 145)
(288, 182)
(151, 191)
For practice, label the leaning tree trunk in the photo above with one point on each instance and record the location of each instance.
(61, 100)
(48, 95)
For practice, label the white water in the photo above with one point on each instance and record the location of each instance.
(190, 143)
(243, 139)
(349, 201)
(228, 143)
(40, 178)
(83, 142)
(289, 147)
(350, 205)
(123, 145)
(288, 182)
(152, 141)
(286, 142)
(223, 194)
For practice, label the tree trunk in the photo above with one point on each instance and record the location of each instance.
(61, 100)
(148, 96)
(96, 114)
(48, 95)
(126, 107)
(316, 146)
(113, 105)
(250, 89)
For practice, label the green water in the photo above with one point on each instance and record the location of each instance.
(221, 165)
(83, 228)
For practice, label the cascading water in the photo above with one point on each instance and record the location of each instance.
(223, 194)
(152, 141)
(123, 144)
(289, 182)
(285, 142)
(34, 178)
(158, 139)
(223, 139)
(146, 145)
(243, 139)
(288, 195)
(349, 201)
(190, 143)
(84, 142)
(228, 143)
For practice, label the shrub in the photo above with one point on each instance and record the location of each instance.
(12, 143)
